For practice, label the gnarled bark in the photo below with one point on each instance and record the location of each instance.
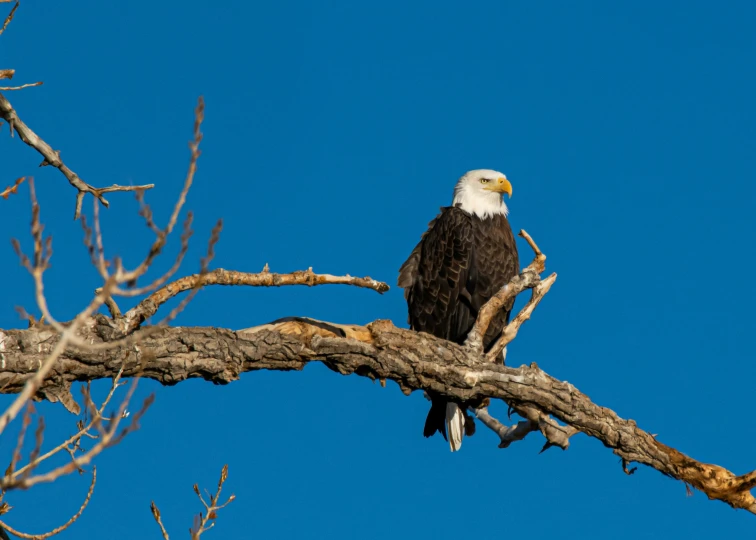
(415, 361)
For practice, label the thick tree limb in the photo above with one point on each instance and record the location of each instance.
(52, 157)
(416, 361)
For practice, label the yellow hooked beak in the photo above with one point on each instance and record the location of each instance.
(501, 185)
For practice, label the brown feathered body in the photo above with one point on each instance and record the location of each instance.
(461, 261)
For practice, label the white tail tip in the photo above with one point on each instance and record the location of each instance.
(455, 426)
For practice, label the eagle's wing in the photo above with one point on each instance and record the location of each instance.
(435, 277)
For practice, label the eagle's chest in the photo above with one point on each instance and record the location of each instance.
(494, 253)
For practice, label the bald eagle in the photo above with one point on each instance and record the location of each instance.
(467, 254)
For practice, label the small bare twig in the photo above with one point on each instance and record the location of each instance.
(509, 332)
(85, 430)
(156, 515)
(109, 436)
(162, 236)
(66, 525)
(52, 157)
(9, 18)
(12, 189)
(201, 520)
(211, 507)
(28, 85)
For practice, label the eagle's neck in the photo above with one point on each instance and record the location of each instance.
(479, 203)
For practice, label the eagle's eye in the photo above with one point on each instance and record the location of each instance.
(484, 180)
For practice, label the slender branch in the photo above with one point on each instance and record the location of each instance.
(150, 305)
(202, 520)
(535, 420)
(509, 332)
(211, 508)
(9, 18)
(508, 435)
(108, 437)
(67, 524)
(28, 85)
(52, 157)
(162, 235)
(85, 429)
(527, 279)
(12, 189)
(158, 519)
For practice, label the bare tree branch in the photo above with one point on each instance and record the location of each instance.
(63, 527)
(529, 278)
(28, 85)
(52, 157)
(202, 520)
(9, 18)
(149, 306)
(508, 435)
(416, 361)
(158, 519)
(211, 508)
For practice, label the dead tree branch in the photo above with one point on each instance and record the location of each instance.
(416, 361)
(21, 87)
(529, 278)
(63, 527)
(150, 305)
(9, 18)
(52, 157)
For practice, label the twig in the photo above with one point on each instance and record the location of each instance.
(509, 332)
(28, 85)
(67, 524)
(7, 73)
(9, 18)
(84, 430)
(42, 252)
(211, 508)
(162, 237)
(107, 439)
(52, 157)
(110, 303)
(12, 189)
(156, 515)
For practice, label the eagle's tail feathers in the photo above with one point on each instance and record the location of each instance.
(455, 425)
(435, 421)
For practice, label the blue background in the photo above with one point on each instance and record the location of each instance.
(334, 132)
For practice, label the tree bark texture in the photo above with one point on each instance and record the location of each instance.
(416, 361)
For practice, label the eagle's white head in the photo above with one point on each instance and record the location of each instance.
(480, 192)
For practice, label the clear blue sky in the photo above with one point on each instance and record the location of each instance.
(334, 133)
